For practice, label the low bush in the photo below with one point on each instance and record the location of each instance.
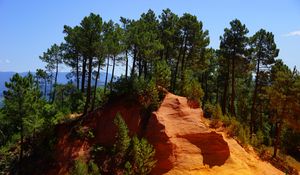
(144, 90)
(162, 74)
(190, 87)
(81, 167)
(129, 155)
(101, 97)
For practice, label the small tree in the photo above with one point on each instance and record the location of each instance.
(190, 87)
(162, 74)
(122, 138)
(80, 167)
(20, 100)
(143, 156)
(53, 57)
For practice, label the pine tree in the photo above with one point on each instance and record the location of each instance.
(122, 138)
(20, 99)
(233, 48)
(263, 53)
(53, 57)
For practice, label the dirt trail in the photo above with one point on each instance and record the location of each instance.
(185, 145)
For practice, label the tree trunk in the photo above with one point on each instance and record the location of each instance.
(56, 73)
(277, 137)
(145, 69)
(253, 109)
(226, 83)
(21, 147)
(167, 54)
(183, 60)
(126, 69)
(134, 60)
(112, 72)
(95, 86)
(55, 81)
(176, 68)
(107, 66)
(45, 88)
(51, 86)
(83, 74)
(88, 96)
(140, 67)
(232, 109)
(77, 72)
(175, 74)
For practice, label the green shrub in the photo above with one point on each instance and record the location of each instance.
(257, 139)
(244, 135)
(82, 132)
(123, 86)
(58, 117)
(162, 74)
(80, 167)
(217, 113)
(209, 110)
(225, 120)
(93, 168)
(101, 97)
(122, 139)
(77, 101)
(143, 156)
(128, 168)
(190, 87)
(213, 111)
(147, 93)
(144, 90)
(132, 156)
(234, 127)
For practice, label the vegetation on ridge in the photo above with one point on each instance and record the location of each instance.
(242, 83)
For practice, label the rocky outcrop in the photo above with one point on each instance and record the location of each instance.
(183, 142)
(185, 145)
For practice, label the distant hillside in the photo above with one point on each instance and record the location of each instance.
(5, 76)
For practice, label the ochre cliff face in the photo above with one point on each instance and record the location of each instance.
(185, 145)
(183, 142)
(181, 139)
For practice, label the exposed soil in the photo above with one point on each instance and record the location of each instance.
(184, 144)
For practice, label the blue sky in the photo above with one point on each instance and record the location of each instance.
(29, 27)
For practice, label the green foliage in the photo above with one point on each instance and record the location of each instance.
(83, 132)
(80, 167)
(143, 156)
(122, 138)
(53, 115)
(147, 93)
(131, 155)
(67, 97)
(190, 87)
(128, 169)
(213, 111)
(93, 168)
(257, 139)
(217, 113)
(101, 97)
(162, 74)
(233, 127)
(75, 101)
(168, 51)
